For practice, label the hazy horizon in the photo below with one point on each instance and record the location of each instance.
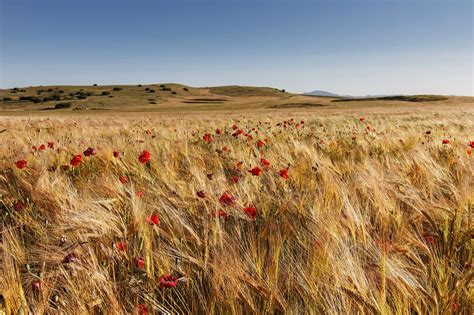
(343, 47)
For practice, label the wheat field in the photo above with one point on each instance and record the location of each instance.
(237, 214)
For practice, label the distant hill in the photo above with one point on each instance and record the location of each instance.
(321, 93)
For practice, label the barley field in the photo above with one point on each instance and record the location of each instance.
(289, 213)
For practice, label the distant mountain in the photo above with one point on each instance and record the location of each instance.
(321, 93)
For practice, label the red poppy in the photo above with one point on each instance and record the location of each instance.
(201, 194)
(18, 206)
(34, 148)
(219, 214)
(21, 164)
(239, 164)
(153, 219)
(251, 212)
(362, 119)
(144, 157)
(234, 126)
(51, 145)
(207, 138)
(284, 173)
(121, 246)
(256, 171)
(117, 154)
(148, 132)
(139, 194)
(260, 144)
(168, 281)
(471, 144)
(429, 238)
(139, 262)
(235, 179)
(264, 162)
(218, 131)
(36, 285)
(89, 151)
(469, 151)
(142, 309)
(445, 141)
(227, 199)
(69, 258)
(42, 147)
(238, 132)
(76, 160)
(123, 179)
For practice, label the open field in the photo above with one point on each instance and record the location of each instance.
(235, 200)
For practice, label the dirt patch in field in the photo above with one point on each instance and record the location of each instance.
(296, 105)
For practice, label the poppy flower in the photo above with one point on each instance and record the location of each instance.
(117, 154)
(256, 171)
(51, 145)
(201, 194)
(18, 206)
(234, 126)
(239, 164)
(264, 162)
(142, 309)
(89, 151)
(139, 262)
(429, 239)
(153, 219)
(235, 179)
(469, 151)
(148, 132)
(284, 173)
(251, 212)
(123, 179)
(42, 147)
(69, 258)
(362, 119)
(121, 246)
(445, 141)
(227, 199)
(471, 144)
(34, 148)
(21, 164)
(238, 132)
(36, 284)
(219, 214)
(139, 194)
(260, 144)
(76, 160)
(218, 131)
(144, 157)
(168, 281)
(207, 138)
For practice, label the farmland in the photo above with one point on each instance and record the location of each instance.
(234, 200)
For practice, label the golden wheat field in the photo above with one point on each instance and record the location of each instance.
(289, 213)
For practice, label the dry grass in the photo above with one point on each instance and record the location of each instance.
(375, 217)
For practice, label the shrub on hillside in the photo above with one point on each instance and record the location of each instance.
(62, 105)
(117, 89)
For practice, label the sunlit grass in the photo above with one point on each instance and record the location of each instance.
(375, 216)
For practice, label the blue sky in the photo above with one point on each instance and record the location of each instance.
(349, 47)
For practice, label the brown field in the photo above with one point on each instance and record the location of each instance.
(374, 217)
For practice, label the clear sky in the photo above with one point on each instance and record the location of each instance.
(348, 47)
